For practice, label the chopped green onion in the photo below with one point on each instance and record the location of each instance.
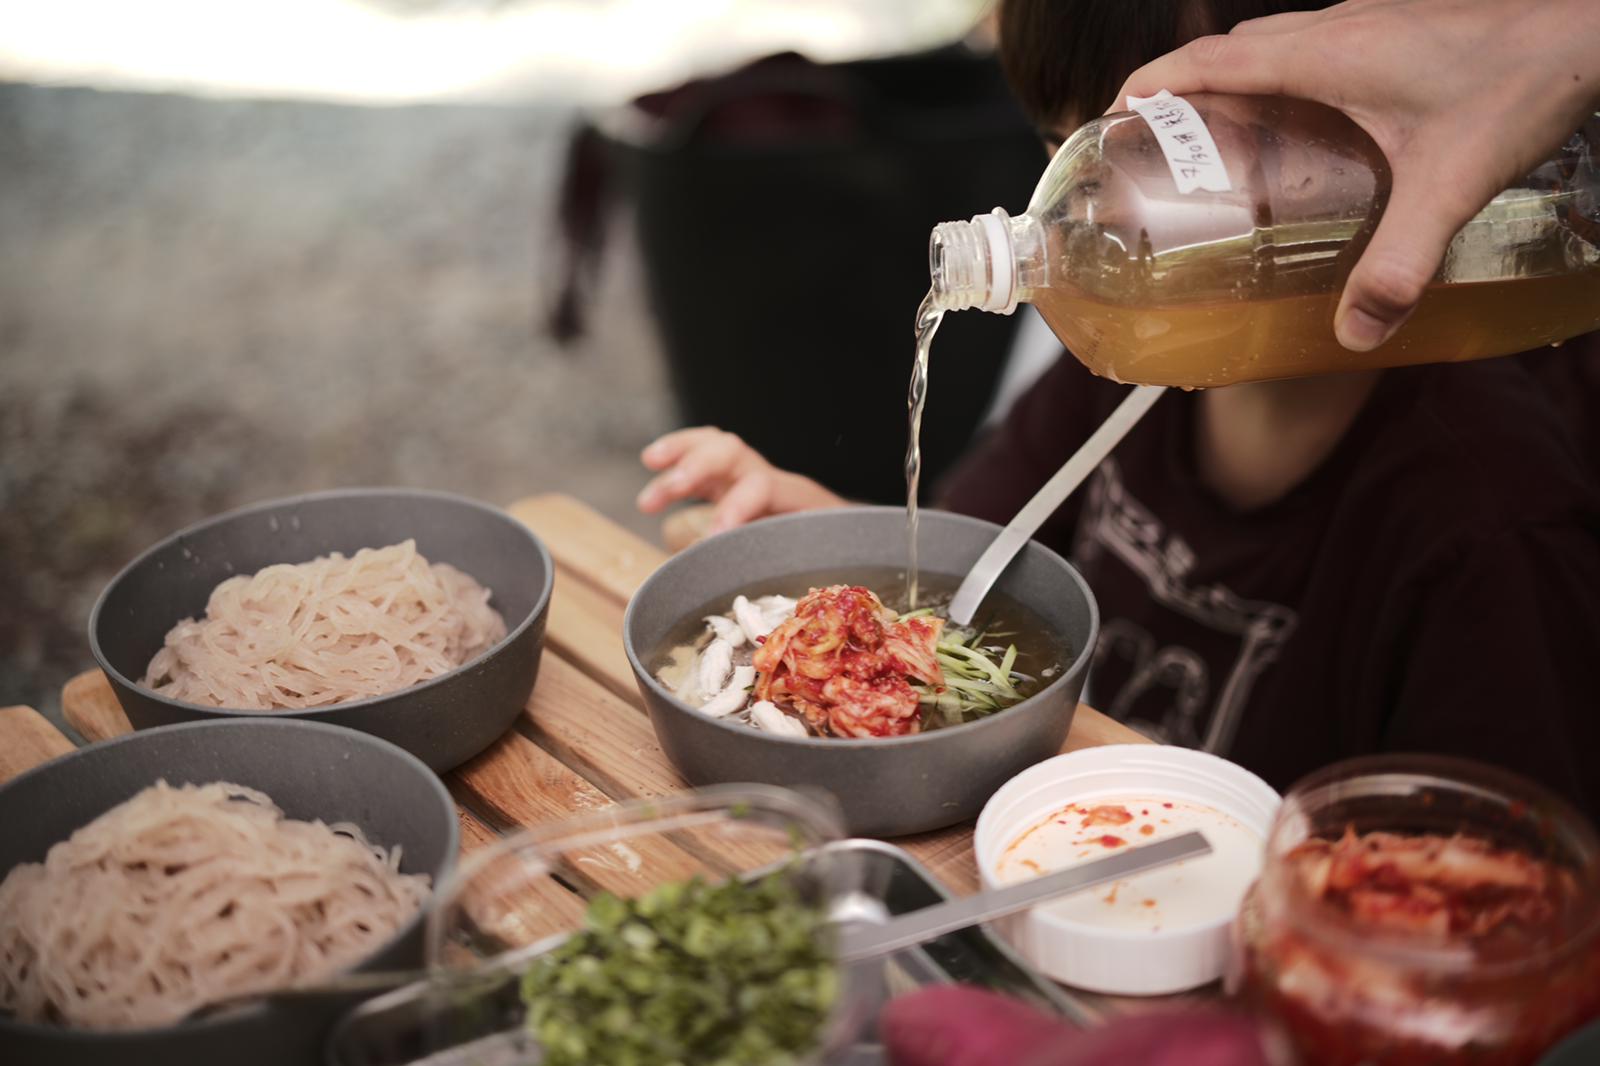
(720, 975)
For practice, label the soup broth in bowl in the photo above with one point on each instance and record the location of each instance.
(842, 653)
(922, 765)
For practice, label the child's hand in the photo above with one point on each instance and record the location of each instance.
(710, 464)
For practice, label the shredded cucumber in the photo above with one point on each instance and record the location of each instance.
(979, 677)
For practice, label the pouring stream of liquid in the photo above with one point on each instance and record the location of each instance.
(928, 319)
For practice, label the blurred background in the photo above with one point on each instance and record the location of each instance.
(251, 248)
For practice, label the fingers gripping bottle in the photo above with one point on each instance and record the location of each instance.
(1204, 241)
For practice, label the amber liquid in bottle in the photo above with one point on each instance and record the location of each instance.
(1152, 283)
(1199, 345)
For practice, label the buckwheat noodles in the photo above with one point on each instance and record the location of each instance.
(327, 631)
(181, 897)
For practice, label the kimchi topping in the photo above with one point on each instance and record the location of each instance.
(1433, 887)
(846, 664)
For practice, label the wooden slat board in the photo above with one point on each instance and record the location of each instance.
(588, 543)
(585, 625)
(474, 834)
(91, 707)
(604, 737)
(27, 739)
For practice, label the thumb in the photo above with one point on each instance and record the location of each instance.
(1402, 258)
(1267, 64)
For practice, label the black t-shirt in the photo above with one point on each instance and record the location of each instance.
(1434, 585)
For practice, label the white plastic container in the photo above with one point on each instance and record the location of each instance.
(1117, 957)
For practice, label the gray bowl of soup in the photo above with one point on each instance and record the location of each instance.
(456, 709)
(212, 920)
(937, 770)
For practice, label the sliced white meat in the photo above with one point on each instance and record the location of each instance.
(733, 697)
(775, 610)
(750, 619)
(724, 628)
(712, 670)
(768, 603)
(767, 716)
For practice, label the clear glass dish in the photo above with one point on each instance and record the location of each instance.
(1351, 991)
(522, 896)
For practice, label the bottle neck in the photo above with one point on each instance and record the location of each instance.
(980, 263)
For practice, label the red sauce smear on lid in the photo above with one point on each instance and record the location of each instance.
(1108, 814)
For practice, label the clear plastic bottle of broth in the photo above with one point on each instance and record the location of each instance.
(1204, 241)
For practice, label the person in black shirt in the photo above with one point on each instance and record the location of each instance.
(1431, 583)
(1289, 573)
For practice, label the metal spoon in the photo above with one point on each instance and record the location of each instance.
(907, 930)
(857, 940)
(993, 562)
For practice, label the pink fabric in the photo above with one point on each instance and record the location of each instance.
(956, 1026)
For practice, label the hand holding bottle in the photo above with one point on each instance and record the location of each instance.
(711, 464)
(1462, 96)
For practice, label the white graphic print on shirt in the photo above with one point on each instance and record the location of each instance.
(1193, 713)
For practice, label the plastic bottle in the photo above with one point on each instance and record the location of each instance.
(1216, 253)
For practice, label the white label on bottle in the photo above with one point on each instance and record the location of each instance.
(1191, 153)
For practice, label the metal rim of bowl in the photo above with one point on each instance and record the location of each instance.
(1080, 662)
(540, 605)
(244, 1010)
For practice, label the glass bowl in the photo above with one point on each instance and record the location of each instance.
(1351, 991)
(521, 897)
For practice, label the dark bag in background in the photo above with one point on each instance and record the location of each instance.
(783, 214)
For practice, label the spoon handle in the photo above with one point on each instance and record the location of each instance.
(869, 941)
(992, 563)
(857, 941)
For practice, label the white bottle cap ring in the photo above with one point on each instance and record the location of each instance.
(996, 229)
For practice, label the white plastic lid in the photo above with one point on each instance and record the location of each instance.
(996, 230)
(1104, 958)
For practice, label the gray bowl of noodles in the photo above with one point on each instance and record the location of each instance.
(414, 616)
(784, 652)
(151, 885)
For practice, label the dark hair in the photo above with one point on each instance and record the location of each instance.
(1065, 59)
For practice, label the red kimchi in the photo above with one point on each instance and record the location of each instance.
(846, 664)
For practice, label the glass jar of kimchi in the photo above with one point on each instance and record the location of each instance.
(1423, 910)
